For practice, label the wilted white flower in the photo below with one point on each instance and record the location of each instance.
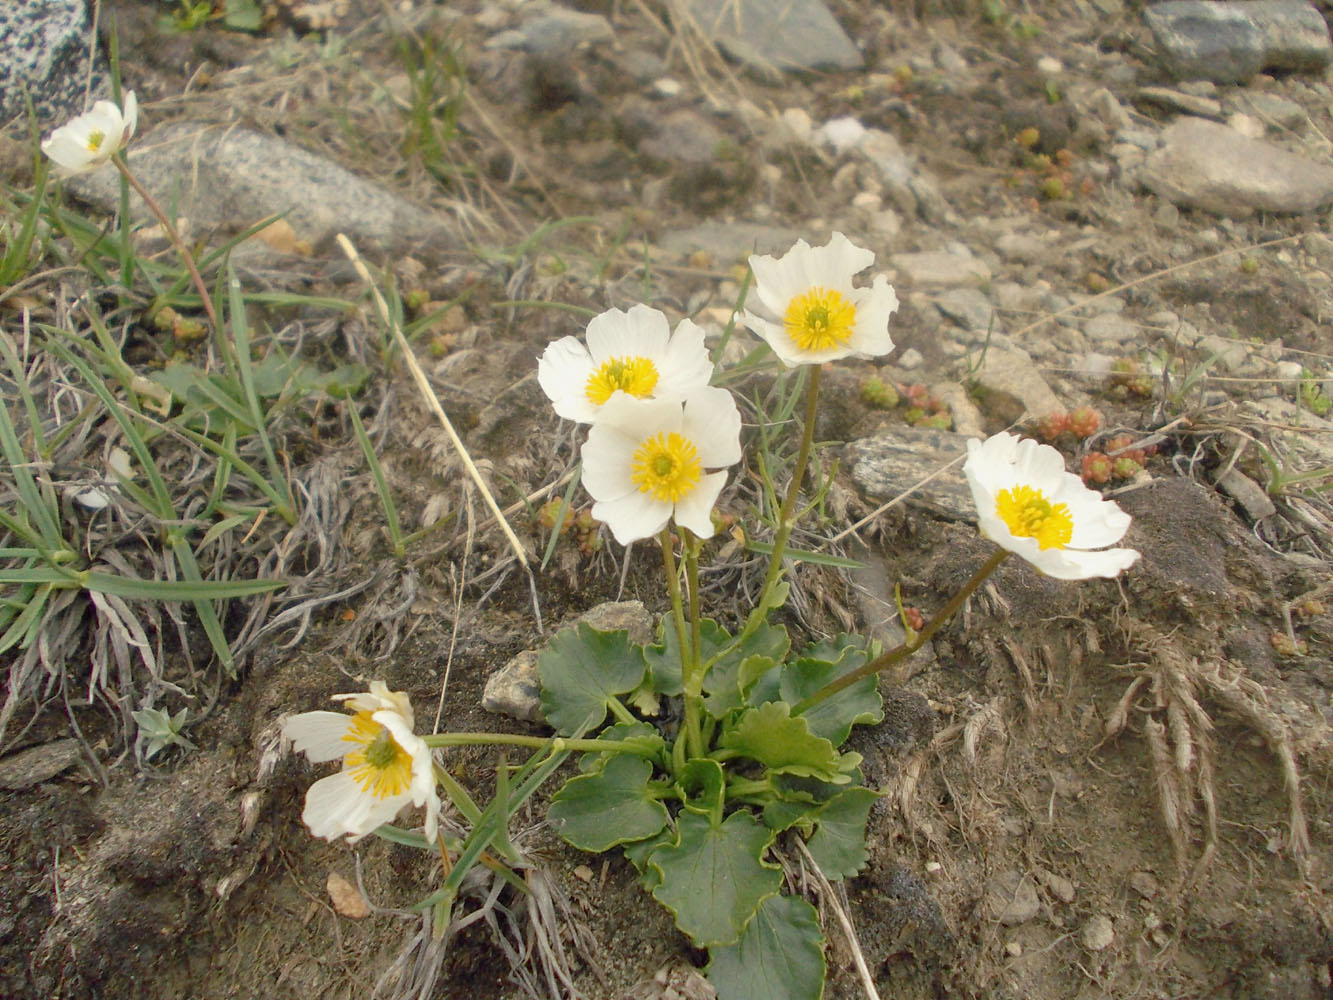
(91, 139)
(645, 459)
(1028, 504)
(384, 764)
(809, 311)
(632, 352)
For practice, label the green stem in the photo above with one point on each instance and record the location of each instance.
(556, 743)
(688, 740)
(172, 235)
(786, 520)
(906, 649)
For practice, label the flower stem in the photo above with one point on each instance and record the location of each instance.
(172, 235)
(537, 743)
(906, 649)
(786, 520)
(689, 739)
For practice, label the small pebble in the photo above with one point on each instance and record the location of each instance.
(1098, 933)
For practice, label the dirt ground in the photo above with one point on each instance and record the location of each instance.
(1110, 789)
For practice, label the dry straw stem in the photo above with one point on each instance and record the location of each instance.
(832, 897)
(433, 402)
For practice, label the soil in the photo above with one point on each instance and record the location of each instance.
(1119, 757)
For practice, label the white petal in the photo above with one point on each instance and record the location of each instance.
(562, 372)
(713, 423)
(379, 698)
(775, 335)
(778, 280)
(607, 457)
(694, 510)
(1039, 466)
(834, 265)
(1071, 564)
(642, 332)
(685, 365)
(131, 116)
(336, 806)
(874, 306)
(319, 735)
(1097, 522)
(633, 516)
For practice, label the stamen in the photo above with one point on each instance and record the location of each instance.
(1028, 514)
(819, 319)
(636, 376)
(666, 466)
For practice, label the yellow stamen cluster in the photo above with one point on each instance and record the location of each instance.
(666, 466)
(380, 766)
(95, 139)
(819, 319)
(1028, 514)
(636, 376)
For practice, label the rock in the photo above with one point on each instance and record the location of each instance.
(516, 688)
(1246, 492)
(1145, 884)
(1010, 387)
(910, 358)
(1011, 898)
(1098, 933)
(839, 134)
(37, 764)
(1229, 42)
(1272, 108)
(227, 179)
(44, 53)
(970, 308)
(780, 35)
(1021, 247)
(1246, 125)
(939, 268)
(1111, 328)
(1109, 111)
(1205, 165)
(730, 242)
(966, 416)
(557, 31)
(683, 136)
(1176, 100)
(912, 192)
(1230, 354)
(1057, 885)
(896, 460)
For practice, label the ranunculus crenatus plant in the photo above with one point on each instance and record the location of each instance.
(706, 749)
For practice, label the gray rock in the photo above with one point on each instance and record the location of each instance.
(939, 268)
(684, 136)
(895, 461)
(911, 190)
(1229, 354)
(1098, 933)
(1272, 108)
(777, 34)
(1178, 100)
(557, 31)
(1011, 898)
(44, 52)
(1021, 247)
(911, 358)
(228, 179)
(37, 764)
(1229, 42)
(730, 242)
(1246, 492)
(516, 688)
(966, 416)
(1111, 328)
(1205, 165)
(970, 308)
(1010, 386)
(1108, 109)
(1057, 885)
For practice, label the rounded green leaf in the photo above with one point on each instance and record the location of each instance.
(780, 955)
(611, 806)
(582, 672)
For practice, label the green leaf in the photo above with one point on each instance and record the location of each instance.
(714, 876)
(779, 957)
(637, 734)
(664, 658)
(833, 717)
(582, 673)
(639, 852)
(784, 745)
(597, 811)
(839, 841)
(724, 683)
(703, 786)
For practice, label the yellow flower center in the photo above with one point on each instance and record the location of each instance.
(1028, 514)
(666, 467)
(820, 319)
(636, 376)
(379, 765)
(95, 139)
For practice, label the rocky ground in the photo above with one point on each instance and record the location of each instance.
(1107, 789)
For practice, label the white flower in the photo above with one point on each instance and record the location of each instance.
(644, 461)
(810, 313)
(1028, 504)
(91, 139)
(633, 352)
(384, 764)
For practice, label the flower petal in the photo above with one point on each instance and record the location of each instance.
(713, 423)
(607, 458)
(685, 365)
(695, 510)
(336, 806)
(562, 372)
(642, 332)
(319, 735)
(633, 516)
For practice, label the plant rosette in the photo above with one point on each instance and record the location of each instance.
(702, 830)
